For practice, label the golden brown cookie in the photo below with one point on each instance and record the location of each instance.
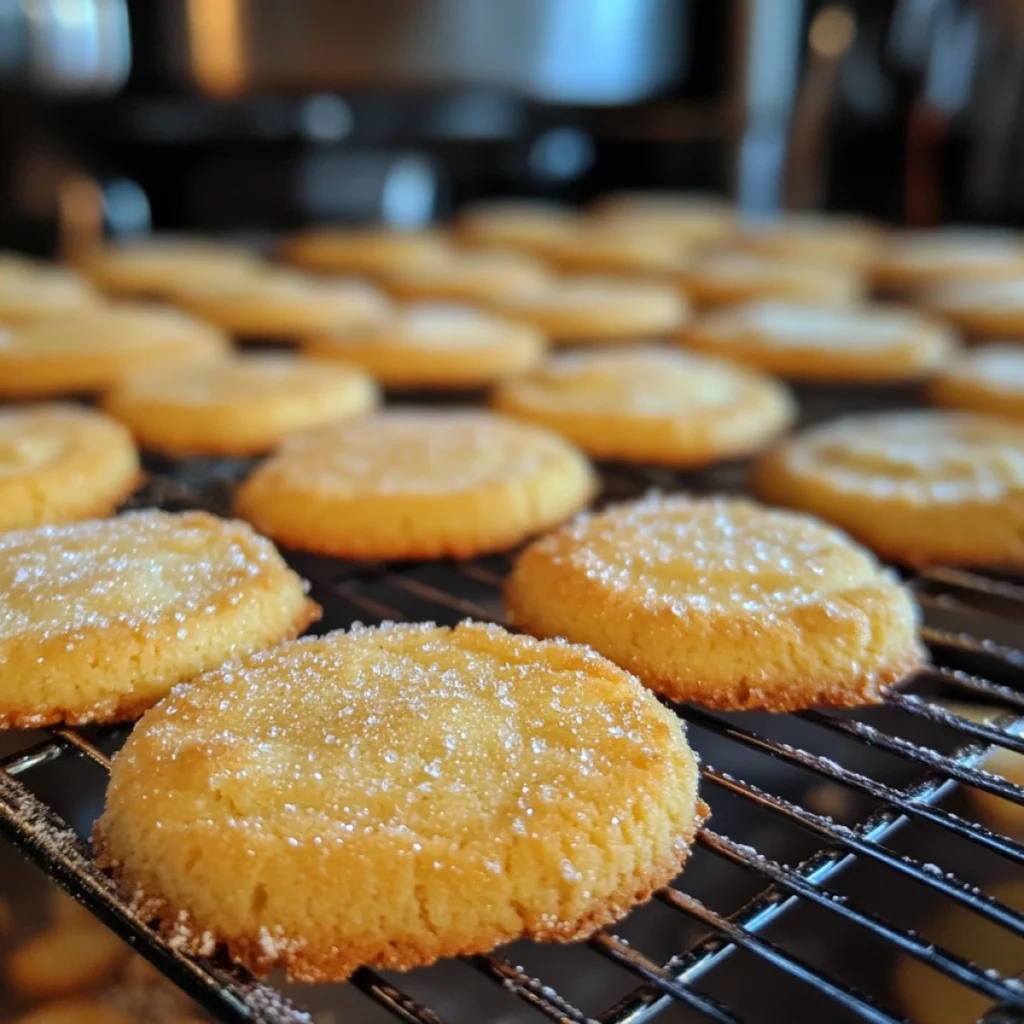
(981, 309)
(457, 789)
(722, 602)
(858, 344)
(407, 484)
(649, 404)
(39, 291)
(65, 960)
(813, 238)
(435, 345)
(98, 620)
(240, 406)
(688, 217)
(596, 247)
(75, 1011)
(989, 379)
(369, 251)
(920, 488)
(59, 463)
(513, 223)
(90, 350)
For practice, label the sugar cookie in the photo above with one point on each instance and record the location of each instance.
(416, 485)
(687, 217)
(822, 343)
(59, 463)
(648, 404)
(599, 248)
(989, 379)
(99, 619)
(65, 960)
(597, 309)
(457, 789)
(722, 602)
(368, 251)
(813, 238)
(91, 349)
(917, 487)
(41, 291)
(981, 309)
(513, 223)
(240, 406)
(435, 345)
(75, 1011)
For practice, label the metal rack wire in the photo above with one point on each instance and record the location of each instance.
(974, 668)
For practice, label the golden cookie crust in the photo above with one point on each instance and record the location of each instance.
(722, 602)
(579, 310)
(522, 224)
(988, 380)
(596, 247)
(458, 789)
(980, 309)
(98, 620)
(690, 218)
(919, 488)
(241, 406)
(92, 349)
(370, 251)
(435, 345)
(34, 291)
(60, 463)
(407, 485)
(478, 276)
(650, 404)
(813, 238)
(859, 344)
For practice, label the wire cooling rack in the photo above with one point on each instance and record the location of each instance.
(886, 772)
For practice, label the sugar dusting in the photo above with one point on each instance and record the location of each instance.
(793, 325)
(995, 366)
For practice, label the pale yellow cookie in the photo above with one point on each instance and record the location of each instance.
(722, 602)
(989, 379)
(92, 349)
(98, 620)
(39, 291)
(371, 251)
(241, 406)
(59, 463)
(394, 795)
(813, 238)
(917, 487)
(435, 345)
(981, 309)
(690, 218)
(596, 247)
(513, 223)
(858, 344)
(406, 484)
(577, 310)
(648, 404)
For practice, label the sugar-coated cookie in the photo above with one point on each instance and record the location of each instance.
(98, 620)
(650, 404)
(91, 349)
(989, 379)
(576, 310)
(828, 239)
(917, 487)
(36, 290)
(513, 223)
(722, 602)
(407, 484)
(690, 218)
(394, 795)
(59, 463)
(981, 309)
(370, 251)
(435, 345)
(822, 343)
(240, 406)
(596, 247)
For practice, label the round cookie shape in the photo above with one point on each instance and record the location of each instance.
(513, 223)
(981, 309)
(920, 488)
(435, 345)
(240, 406)
(92, 349)
(650, 404)
(722, 602)
(690, 218)
(99, 619)
(595, 247)
(34, 292)
(809, 238)
(726, 277)
(408, 485)
(60, 463)
(578, 310)
(369, 251)
(989, 379)
(457, 789)
(858, 344)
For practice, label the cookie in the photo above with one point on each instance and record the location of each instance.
(593, 310)
(513, 223)
(369, 251)
(241, 406)
(727, 277)
(920, 488)
(59, 463)
(722, 602)
(690, 218)
(859, 344)
(435, 345)
(75, 1011)
(653, 405)
(98, 620)
(980, 309)
(457, 789)
(92, 349)
(39, 291)
(407, 484)
(813, 238)
(65, 961)
(283, 305)
(598, 248)
(989, 379)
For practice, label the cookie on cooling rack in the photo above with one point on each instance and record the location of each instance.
(650, 404)
(813, 238)
(91, 349)
(435, 345)
(859, 344)
(919, 488)
(722, 602)
(981, 309)
(59, 463)
(240, 406)
(34, 291)
(99, 619)
(989, 379)
(458, 789)
(407, 485)
(513, 223)
(370, 251)
(687, 217)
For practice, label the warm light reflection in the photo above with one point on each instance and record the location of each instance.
(832, 31)
(216, 45)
